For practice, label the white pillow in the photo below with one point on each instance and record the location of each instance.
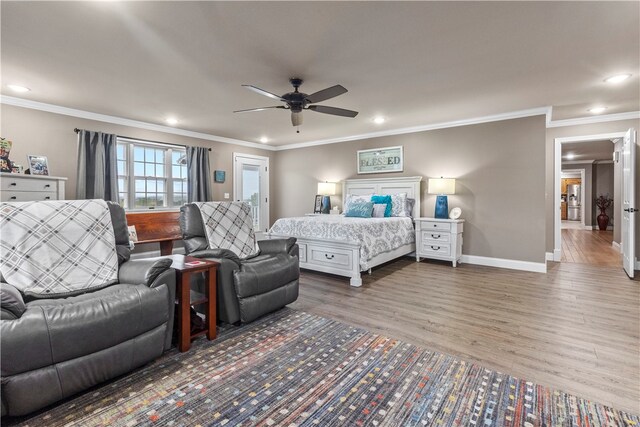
(399, 205)
(378, 210)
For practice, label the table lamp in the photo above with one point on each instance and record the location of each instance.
(326, 189)
(442, 187)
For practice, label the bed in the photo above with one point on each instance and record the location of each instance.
(348, 246)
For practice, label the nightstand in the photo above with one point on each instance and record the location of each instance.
(439, 239)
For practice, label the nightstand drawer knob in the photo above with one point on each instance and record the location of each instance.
(435, 248)
(436, 236)
(13, 184)
(329, 257)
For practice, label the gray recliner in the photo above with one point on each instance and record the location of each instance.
(249, 288)
(53, 348)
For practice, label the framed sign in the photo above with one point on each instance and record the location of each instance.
(218, 176)
(317, 207)
(380, 160)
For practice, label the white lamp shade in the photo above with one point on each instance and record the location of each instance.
(327, 188)
(442, 186)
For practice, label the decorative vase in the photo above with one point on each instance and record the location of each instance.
(603, 220)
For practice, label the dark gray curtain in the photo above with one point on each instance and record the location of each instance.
(198, 175)
(97, 167)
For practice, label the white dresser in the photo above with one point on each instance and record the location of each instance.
(439, 239)
(16, 187)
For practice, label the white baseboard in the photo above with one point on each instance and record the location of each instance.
(537, 267)
(596, 228)
(589, 227)
(616, 246)
(548, 256)
(557, 255)
(637, 267)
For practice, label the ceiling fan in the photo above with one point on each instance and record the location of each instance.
(297, 101)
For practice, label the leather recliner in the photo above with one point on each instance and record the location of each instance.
(249, 288)
(53, 348)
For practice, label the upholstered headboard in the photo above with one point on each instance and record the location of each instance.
(408, 184)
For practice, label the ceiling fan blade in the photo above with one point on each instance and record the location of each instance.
(328, 93)
(259, 109)
(333, 110)
(264, 92)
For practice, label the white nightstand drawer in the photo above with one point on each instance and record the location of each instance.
(436, 236)
(432, 225)
(329, 256)
(26, 196)
(430, 248)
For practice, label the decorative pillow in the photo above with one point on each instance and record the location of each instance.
(359, 209)
(410, 204)
(379, 209)
(353, 197)
(399, 205)
(377, 199)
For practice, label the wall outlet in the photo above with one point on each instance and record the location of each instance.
(226, 195)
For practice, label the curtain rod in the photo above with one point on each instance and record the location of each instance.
(76, 130)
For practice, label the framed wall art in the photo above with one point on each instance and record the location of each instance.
(39, 165)
(380, 160)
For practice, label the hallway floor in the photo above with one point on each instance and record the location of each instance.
(589, 247)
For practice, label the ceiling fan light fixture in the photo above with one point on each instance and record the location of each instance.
(296, 118)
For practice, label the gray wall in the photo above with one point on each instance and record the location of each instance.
(49, 134)
(602, 185)
(499, 169)
(588, 187)
(581, 130)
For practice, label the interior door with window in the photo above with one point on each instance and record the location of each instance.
(628, 201)
(251, 185)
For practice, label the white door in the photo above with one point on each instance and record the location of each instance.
(628, 201)
(251, 185)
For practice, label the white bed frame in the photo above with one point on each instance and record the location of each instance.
(342, 257)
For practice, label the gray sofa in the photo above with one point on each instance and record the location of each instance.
(247, 289)
(54, 348)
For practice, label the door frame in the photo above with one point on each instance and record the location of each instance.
(266, 184)
(583, 191)
(557, 171)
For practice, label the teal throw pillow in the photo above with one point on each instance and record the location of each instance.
(379, 200)
(359, 209)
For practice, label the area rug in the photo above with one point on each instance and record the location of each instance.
(296, 369)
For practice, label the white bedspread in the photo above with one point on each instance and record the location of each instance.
(375, 235)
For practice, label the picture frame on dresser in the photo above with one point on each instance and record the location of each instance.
(38, 165)
(317, 206)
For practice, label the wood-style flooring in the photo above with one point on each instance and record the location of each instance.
(576, 328)
(589, 247)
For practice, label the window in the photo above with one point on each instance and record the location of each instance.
(151, 175)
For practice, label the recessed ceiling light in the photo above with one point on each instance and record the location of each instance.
(264, 139)
(617, 78)
(18, 88)
(597, 110)
(171, 121)
(379, 120)
(570, 156)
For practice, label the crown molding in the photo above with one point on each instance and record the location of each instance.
(456, 123)
(594, 119)
(51, 108)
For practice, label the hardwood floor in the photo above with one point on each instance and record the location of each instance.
(589, 247)
(576, 328)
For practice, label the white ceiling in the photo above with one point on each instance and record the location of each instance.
(416, 63)
(587, 151)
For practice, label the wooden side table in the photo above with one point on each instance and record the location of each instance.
(185, 267)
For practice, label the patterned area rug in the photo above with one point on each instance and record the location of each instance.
(296, 369)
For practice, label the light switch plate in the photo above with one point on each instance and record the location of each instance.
(226, 195)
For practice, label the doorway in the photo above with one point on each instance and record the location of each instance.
(587, 176)
(251, 185)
